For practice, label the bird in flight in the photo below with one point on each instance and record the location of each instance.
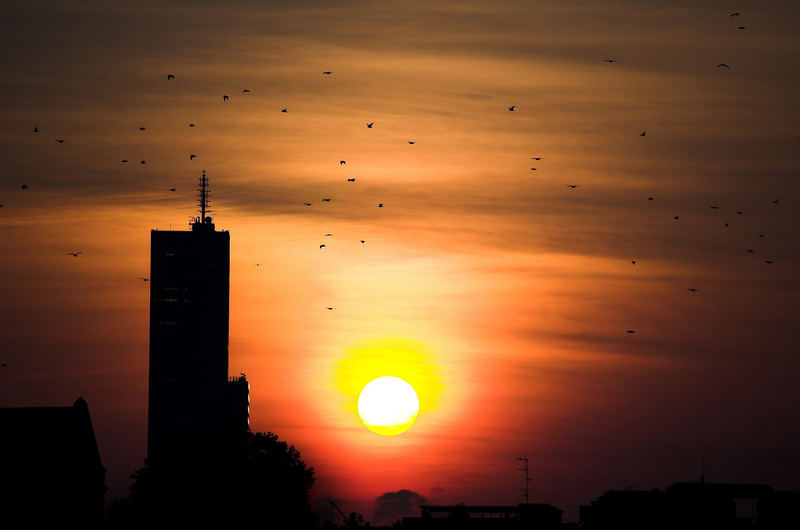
(761, 235)
(630, 331)
(738, 212)
(714, 207)
(342, 162)
(143, 162)
(650, 198)
(3, 365)
(246, 91)
(74, 254)
(224, 98)
(124, 161)
(692, 290)
(362, 241)
(284, 109)
(170, 76)
(735, 14)
(307, 203)
(370, 124)
(257, 264)
(327, 73)
(351, 179)
(723, 65)
(536, 158)
(35, 129)
(192, 157)
(322, 245)
(572, 186)
(776, 201)
(512, 108)
(633, 261)
(326, 199)
(142, 129)
(380, 205)
(24, 186)
(611, 60)
(143, 279)
(328, 235)
(741, 27)
(172, 189)
(644, 133)
(191, 125)
(533, 169)
(329, 308)
(726, 225)
(677, 217)
(751, 251)
(59, 140)
(410, 142)
(769, 262)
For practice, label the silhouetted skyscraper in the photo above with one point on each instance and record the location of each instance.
(190, 394)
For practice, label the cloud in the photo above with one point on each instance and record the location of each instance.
(394, 505)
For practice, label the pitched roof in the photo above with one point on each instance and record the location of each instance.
(49, 436)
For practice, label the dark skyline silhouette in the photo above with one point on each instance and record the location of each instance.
(205, 467)
(693, 505)
(535, 333)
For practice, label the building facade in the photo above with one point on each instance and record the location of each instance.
(693, 505)
(51, 475)
(463, 516)
(191, 397)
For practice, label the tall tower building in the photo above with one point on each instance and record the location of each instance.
(191, 397)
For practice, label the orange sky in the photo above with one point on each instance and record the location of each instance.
(518, 289)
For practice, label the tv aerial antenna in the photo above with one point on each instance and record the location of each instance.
(524, 469)
(203, 198)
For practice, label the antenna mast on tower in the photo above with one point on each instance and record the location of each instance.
(526, 491)
(204, 222)
(203, 198)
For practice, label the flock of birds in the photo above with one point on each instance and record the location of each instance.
(513, 108)
(193, 156)
(370, 125)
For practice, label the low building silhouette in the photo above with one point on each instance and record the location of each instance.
(693, 505)
(530, 516)
(51, 475)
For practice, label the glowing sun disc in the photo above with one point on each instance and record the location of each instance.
(388, 405)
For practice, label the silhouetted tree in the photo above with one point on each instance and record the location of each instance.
(254, 480)
(355, 520)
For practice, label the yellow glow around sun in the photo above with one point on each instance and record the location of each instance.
(388, 406)
(408, 363)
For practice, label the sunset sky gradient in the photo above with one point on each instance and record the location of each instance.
(506, 294)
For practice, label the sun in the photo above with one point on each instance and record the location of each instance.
(388, 406)
(388, 382)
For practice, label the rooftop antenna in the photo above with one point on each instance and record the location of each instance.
(524, 460)
(203, 200)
